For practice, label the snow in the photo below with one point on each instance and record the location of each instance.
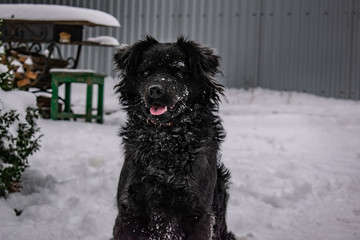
(16, 99)
(18, 64)
(19, 100)
(46, 12)
(68, 70)
(123, 46)
(294, 159)
(3, 68)
(29, 61)
(104, 40)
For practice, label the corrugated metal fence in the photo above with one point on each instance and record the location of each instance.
(303, 45)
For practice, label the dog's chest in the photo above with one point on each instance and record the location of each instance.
(164, 158)
(165, 146)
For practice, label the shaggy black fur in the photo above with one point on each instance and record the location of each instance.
(172, 184)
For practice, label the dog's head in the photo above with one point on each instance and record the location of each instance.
(164, 80)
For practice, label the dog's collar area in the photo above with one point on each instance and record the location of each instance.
(152, 122)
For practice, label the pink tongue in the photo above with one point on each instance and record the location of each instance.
(157, 109)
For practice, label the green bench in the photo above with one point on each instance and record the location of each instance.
(68, 76)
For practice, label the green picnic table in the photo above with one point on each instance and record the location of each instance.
(69, 76)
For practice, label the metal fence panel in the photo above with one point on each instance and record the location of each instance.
(305, 46)
(355, 57)
(299, 45)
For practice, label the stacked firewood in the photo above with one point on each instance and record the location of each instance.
(28, 69)
(23, 68)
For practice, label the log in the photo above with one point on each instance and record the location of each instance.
(14, 53)
(23, 83)
(3, 60)
(32, 75)
(22, 58)
(28, 67)
(19, 75)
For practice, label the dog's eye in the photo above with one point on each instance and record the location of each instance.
(145, 73)
(181, 74)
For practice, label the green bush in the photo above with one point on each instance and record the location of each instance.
(5, 80)
(6, 77)
(18, 141)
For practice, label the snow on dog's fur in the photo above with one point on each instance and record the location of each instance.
(172, 184)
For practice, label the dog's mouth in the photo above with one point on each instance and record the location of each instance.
(160, 114)
(159, 109)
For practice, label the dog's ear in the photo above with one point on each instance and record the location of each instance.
(203, 61)
(120, 57)
(127, 57)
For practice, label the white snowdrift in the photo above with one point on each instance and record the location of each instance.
(16, 99)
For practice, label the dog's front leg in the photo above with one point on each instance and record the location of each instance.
(202, 229)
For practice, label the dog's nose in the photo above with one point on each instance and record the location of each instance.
(156, 91)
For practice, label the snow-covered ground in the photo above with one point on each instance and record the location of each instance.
(294, 158)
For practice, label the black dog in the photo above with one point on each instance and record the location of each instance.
(172, 185)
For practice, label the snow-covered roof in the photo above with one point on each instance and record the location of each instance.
(67, 70)
(57, 13)
(104, 40)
